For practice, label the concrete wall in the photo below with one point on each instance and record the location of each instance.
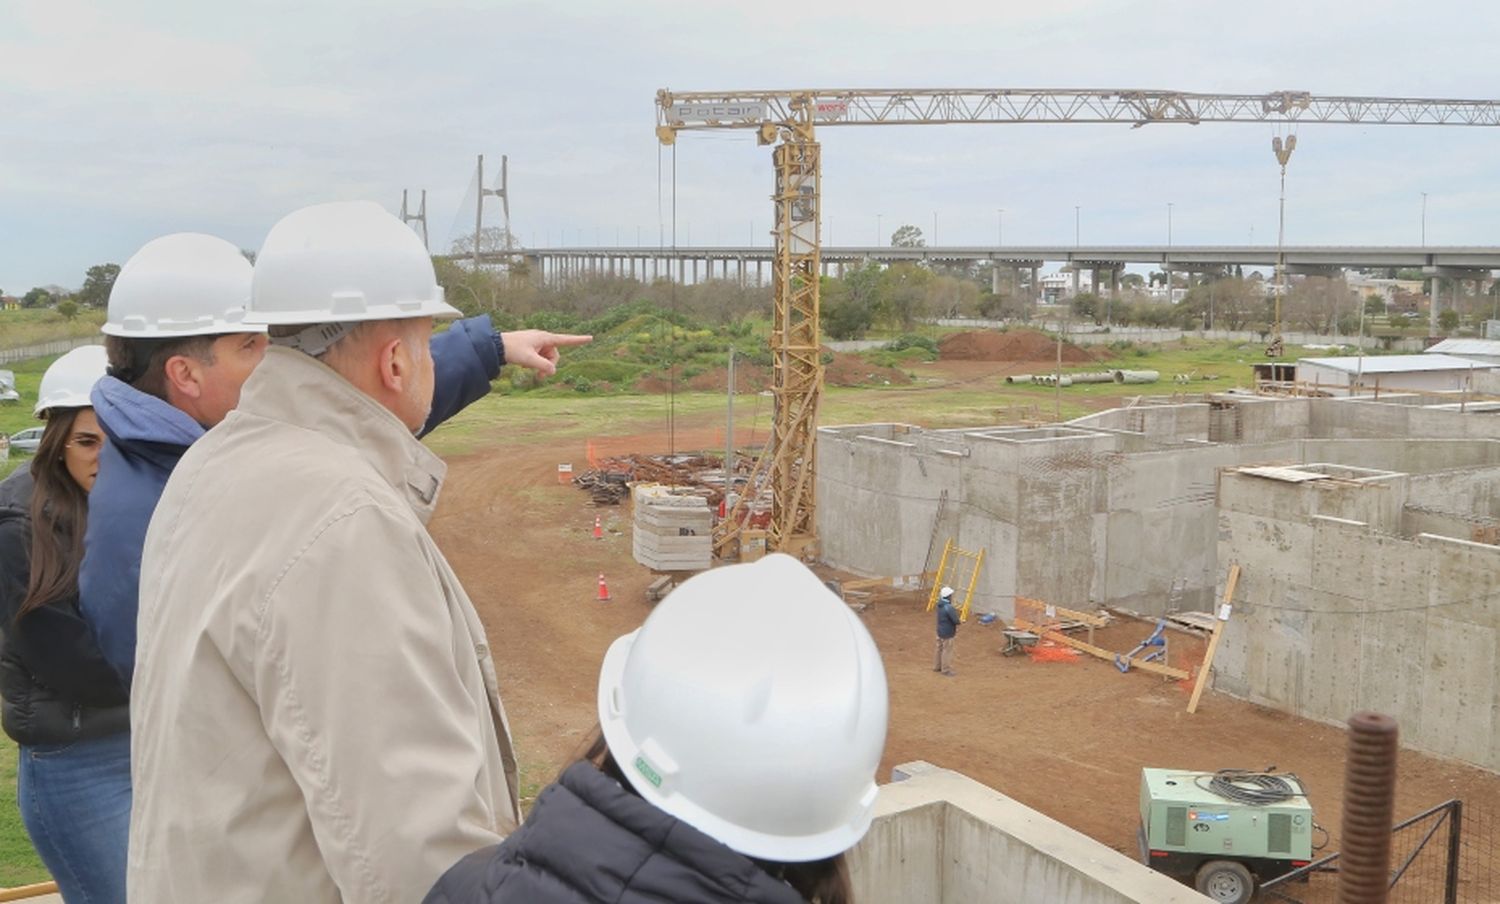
(942, 838)
(1090, 513)
(1399, 417)
(1332, 616)
(1169, 424)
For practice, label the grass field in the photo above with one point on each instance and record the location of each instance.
(19, 864)
(30, 326)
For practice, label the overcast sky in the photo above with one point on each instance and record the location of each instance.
(121, 120)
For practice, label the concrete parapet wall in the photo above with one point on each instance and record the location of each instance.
(943, 838)
(1160, 423)
(1081, 514)
(1332, 616)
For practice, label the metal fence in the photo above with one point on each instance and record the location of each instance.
(1444, 855)
(44, 349)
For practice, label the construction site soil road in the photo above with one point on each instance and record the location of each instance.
(1067, 738)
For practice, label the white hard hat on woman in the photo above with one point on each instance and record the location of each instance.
(751, 705)
(66, 384)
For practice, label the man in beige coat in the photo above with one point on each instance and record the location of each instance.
(315, 710)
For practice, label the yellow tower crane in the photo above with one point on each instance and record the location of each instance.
(789, 120)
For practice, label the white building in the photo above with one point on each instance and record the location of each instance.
(1483, 351)
(1425, 372)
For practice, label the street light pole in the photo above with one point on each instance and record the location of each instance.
(877, 230)
(1424, 219)
(1167, 263)
(999, 226)
(1076, 230)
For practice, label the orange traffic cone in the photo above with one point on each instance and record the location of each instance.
(603, 589)
(723, 506)
(598, 529)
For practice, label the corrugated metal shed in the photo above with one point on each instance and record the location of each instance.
(1394, 364)
(1467, 348)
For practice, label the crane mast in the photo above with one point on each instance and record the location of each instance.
(789, 119)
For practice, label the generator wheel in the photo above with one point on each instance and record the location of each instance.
(1225, 881)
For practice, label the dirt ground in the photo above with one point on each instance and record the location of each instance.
(1066, 738)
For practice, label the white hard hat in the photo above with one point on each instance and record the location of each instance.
(184, 284)
(342, 263)
(946, 592)
(751, 705)
(66, 384)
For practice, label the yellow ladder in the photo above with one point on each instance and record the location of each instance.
(959, 569)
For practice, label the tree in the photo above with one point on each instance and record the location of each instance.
(97, 283)
(1086, 305)
(1448, 320)
(68, 308)
(908, 236)
(1374, 304)
(37, 298)
(491, 238)
(904, 294)
(1132, 281)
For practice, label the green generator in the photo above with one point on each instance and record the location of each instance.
(1224, 830)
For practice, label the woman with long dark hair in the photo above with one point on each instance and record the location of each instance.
(63, 704)
(739, 733)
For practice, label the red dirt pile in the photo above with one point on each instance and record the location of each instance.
(1011, 345)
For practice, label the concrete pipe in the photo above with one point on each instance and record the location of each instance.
(1136, 376)
(1052, 380)
(1099, 377)
(1020, 378)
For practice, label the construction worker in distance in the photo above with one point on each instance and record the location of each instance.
(64, 706)
(735, 760)
(948, 621)
(315, 714)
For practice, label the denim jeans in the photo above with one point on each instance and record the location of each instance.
(75, 801)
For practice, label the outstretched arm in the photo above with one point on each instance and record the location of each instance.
(469, 354)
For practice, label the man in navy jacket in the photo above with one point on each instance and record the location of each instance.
(947, 628)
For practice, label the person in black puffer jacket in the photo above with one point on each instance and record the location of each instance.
(734, 761)
(63, 703)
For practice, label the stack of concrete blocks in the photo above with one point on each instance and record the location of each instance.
(673, 530)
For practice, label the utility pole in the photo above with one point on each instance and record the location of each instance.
(419, 217)
(999, 226)
(1167, 264)
(729, 442)
(1057, 374)
(1283, 152)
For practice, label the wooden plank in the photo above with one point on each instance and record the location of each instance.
(1107, 655)
(1213, 640)
(896, 581)
(1092, 619)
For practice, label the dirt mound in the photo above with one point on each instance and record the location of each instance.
(1011, 345)
(844, 370)
(852, 370)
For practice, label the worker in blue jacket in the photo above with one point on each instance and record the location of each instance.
(947, 628)
(178, 354)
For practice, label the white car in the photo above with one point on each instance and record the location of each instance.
(27, 440)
